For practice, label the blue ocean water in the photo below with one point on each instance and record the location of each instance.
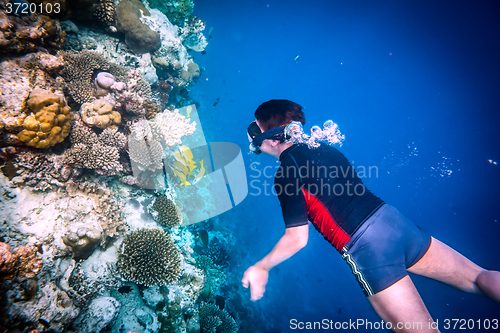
(413, 85)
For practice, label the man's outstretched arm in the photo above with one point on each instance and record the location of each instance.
(294, 239)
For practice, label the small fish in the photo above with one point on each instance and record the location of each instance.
(210, 32)
(182, 178)
(216, 101)
(188, 157)
(44, 322)
(200, 174)
(203, 237)
(203, 52)
(180, 160)
(220, 302)
(189, 109)
(124, 289)
(181, 167)
(296, 58)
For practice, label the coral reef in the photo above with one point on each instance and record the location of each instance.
(100, 313)
(81, 70)
(138, 36)
(19, 77)
(48, 119)
(176, 11)
(90, 151)
(104, 11)
(149, 257)
(191, 72)
(82, 242)
(100, 113)
(213, 273)
(131, 96)
(215, 320)
(49, 305)
(78, 73)
(169, 215)
(29, 33)
(169, 127)
(22, 262)
(36, 171)
(192, 36)
(147, 154)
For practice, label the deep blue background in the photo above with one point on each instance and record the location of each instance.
(413, 85)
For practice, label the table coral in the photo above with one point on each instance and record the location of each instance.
(100, 113)
(48, 121)
(149, 257)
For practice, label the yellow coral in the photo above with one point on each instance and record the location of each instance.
(48, 121)
(100, 113)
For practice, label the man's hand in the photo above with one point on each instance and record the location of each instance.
(255, 277)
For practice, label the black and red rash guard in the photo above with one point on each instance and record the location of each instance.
(320, 185)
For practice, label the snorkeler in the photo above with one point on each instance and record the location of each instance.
(378, 242)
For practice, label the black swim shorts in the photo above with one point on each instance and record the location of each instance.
(383, 248)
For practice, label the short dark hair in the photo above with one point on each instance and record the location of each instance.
(277, 112)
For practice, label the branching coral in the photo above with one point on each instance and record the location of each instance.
(192, 36)
(90, 151)
(104, 11)
(23, 262)
(170, 126)
(215, 320)
(149, 257)
(169, 214)
(38, 172)
(48, 121)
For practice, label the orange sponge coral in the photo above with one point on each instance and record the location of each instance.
(48, 121)
(23, 261)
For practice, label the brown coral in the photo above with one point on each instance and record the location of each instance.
(49, 120)
(82, 68)
(22, 262)
(138, 36)
(104, 11)
(100, 113)
(149, 257)
(169, 214)
(78, 73)
(28, 33)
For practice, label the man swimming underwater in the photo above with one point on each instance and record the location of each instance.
(378, 242)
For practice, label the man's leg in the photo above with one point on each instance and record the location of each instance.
(401, 305)
(444, 264)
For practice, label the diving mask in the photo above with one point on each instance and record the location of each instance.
(256, 137)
